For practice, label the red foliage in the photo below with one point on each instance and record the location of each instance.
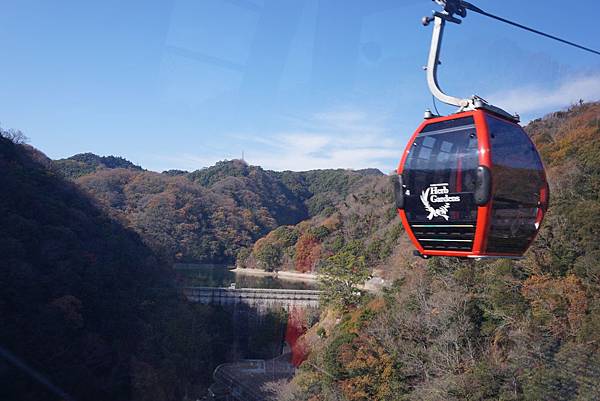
(296, 327)
(308, 253)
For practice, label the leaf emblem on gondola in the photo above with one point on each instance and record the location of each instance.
(441, 211)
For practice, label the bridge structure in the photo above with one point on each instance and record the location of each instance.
(258, 298)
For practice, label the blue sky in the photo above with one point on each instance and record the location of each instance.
(294, 84)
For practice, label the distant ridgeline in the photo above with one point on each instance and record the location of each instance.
(209, 214)
(85, 303)
(86, 163)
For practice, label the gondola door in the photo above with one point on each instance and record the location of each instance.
(441, 184)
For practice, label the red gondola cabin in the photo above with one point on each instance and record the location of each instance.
(471, 185)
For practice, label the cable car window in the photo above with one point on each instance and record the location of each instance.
(518, 181)
(443, 157)
(428, 142)
(446, 147)
(424, 152)
(439, 175)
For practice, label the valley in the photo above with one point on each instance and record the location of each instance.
(97, 252)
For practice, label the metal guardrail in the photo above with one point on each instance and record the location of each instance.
(257, 291)
(225, 295)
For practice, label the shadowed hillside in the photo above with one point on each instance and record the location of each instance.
(85, 303)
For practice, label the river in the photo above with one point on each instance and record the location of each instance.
(210, 275)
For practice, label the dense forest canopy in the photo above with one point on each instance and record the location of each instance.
(364, 223)
(209, 214)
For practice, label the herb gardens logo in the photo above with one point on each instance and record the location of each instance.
(438, 193)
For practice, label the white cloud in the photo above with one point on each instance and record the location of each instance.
(533, 99)
(336, 139)
(305, 142)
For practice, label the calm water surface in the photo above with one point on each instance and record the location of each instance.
(222, 276)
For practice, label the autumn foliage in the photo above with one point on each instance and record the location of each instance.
(308, 251)
(450, 329)
(295, 328)
(557, 303)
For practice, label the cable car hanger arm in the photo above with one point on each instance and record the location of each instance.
(432, 66)
(433, 61)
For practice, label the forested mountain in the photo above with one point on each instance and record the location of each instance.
(209, 214)
(449, 329)
(84, 302)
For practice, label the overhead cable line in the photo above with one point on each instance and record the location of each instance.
(460, 7)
